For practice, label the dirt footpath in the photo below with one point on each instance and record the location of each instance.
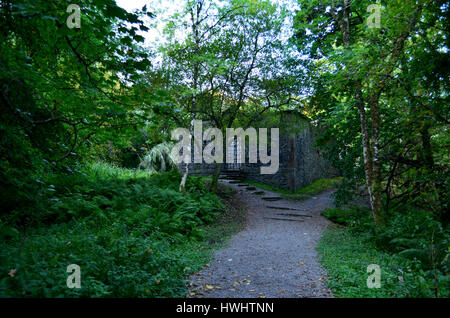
(274, 256)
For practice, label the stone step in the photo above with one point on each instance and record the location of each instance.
(243, 185)
(235, 181)
(283, 219)
(295, 215)
(231, 173)
(250, 188)
(230, 176)
(259, 193)
(271, 198)
(230, 179)
(283, 208)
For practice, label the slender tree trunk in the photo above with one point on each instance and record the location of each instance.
(372, 164)
(427, 154)
(184, 178)
(215, 177)
(346, 22)
(376, 167)
(195, 18)
(367, 154)
(370, 143)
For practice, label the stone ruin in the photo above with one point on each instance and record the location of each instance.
(300, 163)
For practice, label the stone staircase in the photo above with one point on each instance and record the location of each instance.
(280, 212)
(232, 175)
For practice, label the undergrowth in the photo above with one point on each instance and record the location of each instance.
(411, 248)
(132, 234)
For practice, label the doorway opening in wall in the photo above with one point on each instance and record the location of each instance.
(232, 151)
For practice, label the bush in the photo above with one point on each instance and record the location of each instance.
(124, 230)
(346, 257)
(341, 216)
(158, 158)
(410, 236)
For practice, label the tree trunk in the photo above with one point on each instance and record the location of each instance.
(215, 177)
(186, 165)
(372, 164)
(427, 153)
(376, 167)
(195, 18)
(367, 154)
(370, 143)
(184, 178)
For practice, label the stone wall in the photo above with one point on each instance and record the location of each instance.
(200, 169)
(300, 162)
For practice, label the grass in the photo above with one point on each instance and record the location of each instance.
(346, 258)
(411, 250)
(217, 234)
(341, 216)
(106, 170)
(132, 234)
(315, 188)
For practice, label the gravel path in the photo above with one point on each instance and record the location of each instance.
(274, 256)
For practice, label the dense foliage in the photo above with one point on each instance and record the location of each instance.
(59, 88)
(383, 95)
(133, 235)
(411, 249)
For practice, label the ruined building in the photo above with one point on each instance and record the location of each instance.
(300, 163)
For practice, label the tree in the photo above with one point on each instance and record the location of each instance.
(366, 68)
(234, 63)
(61, 86)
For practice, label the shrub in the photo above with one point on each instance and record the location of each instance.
(158, 158)
(413, 237)
(123, 229)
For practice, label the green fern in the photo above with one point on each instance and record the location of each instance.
(158, 158)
